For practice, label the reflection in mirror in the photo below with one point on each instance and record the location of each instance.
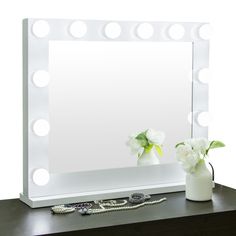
(101, 92)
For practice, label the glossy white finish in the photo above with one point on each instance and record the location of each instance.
(36, 202)
(199, 184)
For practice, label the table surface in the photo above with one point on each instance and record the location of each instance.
(19, 219)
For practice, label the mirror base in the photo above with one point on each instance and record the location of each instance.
(36, 202)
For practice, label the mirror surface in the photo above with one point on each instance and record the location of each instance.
(101, 92)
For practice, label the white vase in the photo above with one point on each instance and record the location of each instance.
(199, 184)
(147, 159)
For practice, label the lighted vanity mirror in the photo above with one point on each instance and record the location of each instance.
(88, 86)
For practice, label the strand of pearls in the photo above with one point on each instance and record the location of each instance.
(62, 209)
(111, 203)
(103, 209)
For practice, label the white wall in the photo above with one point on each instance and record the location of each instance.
(221, 14)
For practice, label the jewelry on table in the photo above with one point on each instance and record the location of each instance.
(68, 208)
(62, 209)
(137, 198)
(113, 205)
(103, 209)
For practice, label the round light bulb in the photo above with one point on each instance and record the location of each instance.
(41, 28)
(41, 177)
(204, 75)
(145, 31)
(41, 78)
(78, 29)
(203, 119)
(112, 30)
(205, 32)
(176, 31)
(41, 127)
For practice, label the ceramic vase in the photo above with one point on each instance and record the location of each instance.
(147, 159)
(199, 184)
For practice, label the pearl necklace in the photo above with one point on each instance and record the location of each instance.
(62, 209)
(103, 209)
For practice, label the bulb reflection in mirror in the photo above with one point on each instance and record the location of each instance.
(205, 32)
(78, 29)
(112, 30)
(204, 75)
(41, 127)
(203, 119)
(41, 78)
(41, 28)
(41, 177)
(176, 32)
(145, 31)
(190, 117)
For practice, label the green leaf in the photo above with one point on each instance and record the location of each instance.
(148, 148)
(215, 144)
(178, 144)
(142, 139)
(159, 150)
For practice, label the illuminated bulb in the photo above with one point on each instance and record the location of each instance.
(41, 78)
(41, 28)
(78, 29)
(41, 177)
(176, 32)
(145, 31)
(204, 75)
(112, 30)
(205, 32)
(203, 119)
(41, 127)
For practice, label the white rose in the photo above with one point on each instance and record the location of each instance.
(135, 146)
(187, 157)
(191, 162)
(155, 137)
(199, 144)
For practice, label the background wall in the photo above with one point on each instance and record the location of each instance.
(221, 15)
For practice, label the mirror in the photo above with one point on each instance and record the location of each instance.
(89, 85)
(101, 92)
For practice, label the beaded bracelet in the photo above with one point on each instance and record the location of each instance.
(137, 198)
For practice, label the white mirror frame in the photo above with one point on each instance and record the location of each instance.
(100, 184)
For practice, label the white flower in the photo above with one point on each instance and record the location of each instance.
(188, 157)
(199, 145)
(155, 137)
(135, 146)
